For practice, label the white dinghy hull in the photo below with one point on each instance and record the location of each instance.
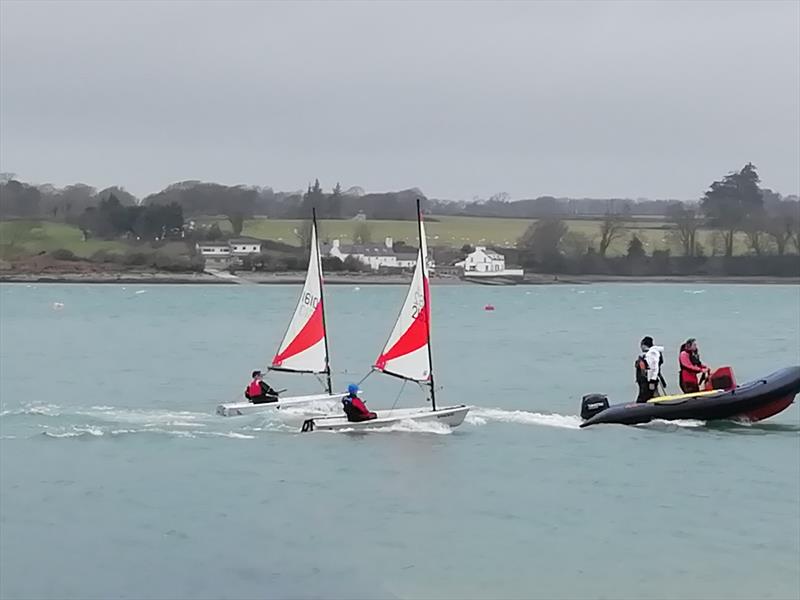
(452, 416)
(237, 409)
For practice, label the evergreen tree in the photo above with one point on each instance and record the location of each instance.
(730, 202)
(335, 203)
(636, 248)
(315, 198)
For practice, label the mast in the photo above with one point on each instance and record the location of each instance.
(322, 299)
(426, 292)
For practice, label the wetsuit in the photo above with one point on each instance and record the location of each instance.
(691, 367)
(259, 392)
(356, 410)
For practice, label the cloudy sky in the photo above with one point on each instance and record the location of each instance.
(629, 99)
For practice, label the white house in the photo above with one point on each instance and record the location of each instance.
(485, 263)
(214, 249)
(220, 254)
(375, 256)
(244, 246)
(482, 260)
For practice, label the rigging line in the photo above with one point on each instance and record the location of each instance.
(363, 379)
(400, 393)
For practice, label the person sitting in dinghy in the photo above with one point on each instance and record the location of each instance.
(259, 391)
(691, 366)
(354, 407)
(648, 370)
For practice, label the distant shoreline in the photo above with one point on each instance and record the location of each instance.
(335, 279)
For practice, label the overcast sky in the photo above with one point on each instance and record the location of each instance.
(628, 99)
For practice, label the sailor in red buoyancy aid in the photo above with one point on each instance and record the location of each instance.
(354, 407)
(691, 366)
(259, 392)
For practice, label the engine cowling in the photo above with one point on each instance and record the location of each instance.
(592, 404)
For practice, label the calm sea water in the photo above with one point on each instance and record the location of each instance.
(118, 480)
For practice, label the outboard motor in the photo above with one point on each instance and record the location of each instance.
(593, 404)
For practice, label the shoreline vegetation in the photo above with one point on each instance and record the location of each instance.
(205, 232)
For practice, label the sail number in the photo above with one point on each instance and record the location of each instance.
(419, 302)
(310, 300)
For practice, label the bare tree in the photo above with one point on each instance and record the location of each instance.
(687, 222)
(611, 230)
(718, 243)
(500, 197)
(782, 225)
(754, 230)
(780, 230)
(303, 233)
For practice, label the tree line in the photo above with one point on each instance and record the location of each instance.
(111, 219)
(197, 198)
(732, 205)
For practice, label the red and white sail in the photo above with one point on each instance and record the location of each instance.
(406, 352)
(303, 348)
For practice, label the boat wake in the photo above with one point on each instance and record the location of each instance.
(147, 417)
(87, 432)
(108, 422)
(57, 422)
(754, 427)
(662, 425)
(110, 414)
(481, 416)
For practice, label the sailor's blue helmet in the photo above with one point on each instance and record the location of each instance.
(352, 388)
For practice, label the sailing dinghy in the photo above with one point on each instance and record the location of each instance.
(407, 355)
(304, 348)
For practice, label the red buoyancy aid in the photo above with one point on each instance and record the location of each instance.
(689, 370)
(254, 389)
(359, 405)
(354, 405)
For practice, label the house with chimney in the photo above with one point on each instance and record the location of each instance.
(374, 256)
(487, 266)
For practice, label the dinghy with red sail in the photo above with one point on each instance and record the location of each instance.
(407, 355)
(304, 347)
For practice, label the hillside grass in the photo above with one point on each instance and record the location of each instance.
(25, 238)
(457, 231)
(19, 238)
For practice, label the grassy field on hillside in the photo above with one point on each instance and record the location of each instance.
(31, 237)
(457, 231)
(19, 238)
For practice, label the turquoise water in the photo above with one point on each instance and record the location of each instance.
(117, 479)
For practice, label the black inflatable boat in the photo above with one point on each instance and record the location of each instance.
(753, 401)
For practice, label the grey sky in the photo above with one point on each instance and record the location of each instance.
(576, 99)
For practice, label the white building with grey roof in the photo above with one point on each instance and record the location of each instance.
(375, 256)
